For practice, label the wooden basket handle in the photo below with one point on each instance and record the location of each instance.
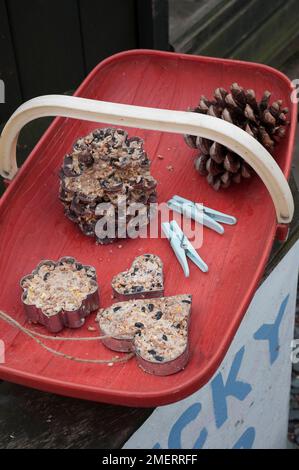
(180, 122)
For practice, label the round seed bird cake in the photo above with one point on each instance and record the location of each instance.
(107, 166)
(144, 279)
(157, 330)
(60, 294)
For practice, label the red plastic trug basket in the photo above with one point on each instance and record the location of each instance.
(33, 227)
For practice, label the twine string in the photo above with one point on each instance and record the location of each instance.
(33, 335)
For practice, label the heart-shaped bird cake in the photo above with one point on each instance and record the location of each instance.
(144, 279)
(156, 330)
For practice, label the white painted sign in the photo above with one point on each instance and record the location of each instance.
(245, 404)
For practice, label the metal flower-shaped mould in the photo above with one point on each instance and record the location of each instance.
(60, 294)
(143, 280)
(157, 330)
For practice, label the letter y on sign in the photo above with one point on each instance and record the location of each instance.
(270, 332)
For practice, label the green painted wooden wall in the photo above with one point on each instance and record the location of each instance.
(258, 30)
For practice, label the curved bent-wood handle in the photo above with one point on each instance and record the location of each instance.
(155, 119)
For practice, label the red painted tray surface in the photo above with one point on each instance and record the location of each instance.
(33, 227)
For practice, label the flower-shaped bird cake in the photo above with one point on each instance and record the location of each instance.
(60, 294)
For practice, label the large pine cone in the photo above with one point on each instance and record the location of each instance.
(264, 121)
(106, 166)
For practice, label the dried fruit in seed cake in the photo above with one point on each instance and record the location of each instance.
(156, 330)
(106, 166)
(58, 294)
(144, 279)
